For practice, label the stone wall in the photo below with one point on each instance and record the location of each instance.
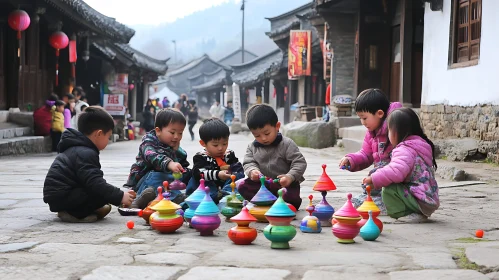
(342, 37)
(479, 122)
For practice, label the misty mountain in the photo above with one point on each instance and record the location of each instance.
(215, 31)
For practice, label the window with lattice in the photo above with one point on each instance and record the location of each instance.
(467, 25)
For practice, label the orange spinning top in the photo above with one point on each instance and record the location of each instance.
(324, 183)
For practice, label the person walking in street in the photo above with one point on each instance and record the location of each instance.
(217, 110)
(148, 123)
(409, 187)
(192, 116)
(166, 102)
(229, 113)
(182, 104)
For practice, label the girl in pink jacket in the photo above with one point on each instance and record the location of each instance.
(373, 107)
(409, 188)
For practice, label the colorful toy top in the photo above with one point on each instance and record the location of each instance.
(177, 184)
(324, 183)
(244, 215)
(166, 206)
(368, 204)
(207, 207)
(232, 200)
(263, 196)
(310, 208)
(348, 210)
(198, 194)
(280, 208)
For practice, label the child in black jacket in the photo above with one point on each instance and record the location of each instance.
(215, 162)
(74, 186)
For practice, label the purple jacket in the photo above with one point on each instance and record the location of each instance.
(411, 162)
(376, 147)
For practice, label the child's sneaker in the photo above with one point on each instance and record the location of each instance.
(145, 197)
(68, 218)
(103, 211)
(413, 218)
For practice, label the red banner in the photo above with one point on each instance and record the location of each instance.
(299, 54)
(72, 51)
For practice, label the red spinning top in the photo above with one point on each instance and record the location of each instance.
(324, 183)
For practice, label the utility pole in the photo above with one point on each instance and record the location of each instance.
(242, 9)
(175, 49)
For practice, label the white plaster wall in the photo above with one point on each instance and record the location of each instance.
(466, 86)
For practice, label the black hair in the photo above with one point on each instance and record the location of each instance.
(260, 115)
(53, 97)
(213, 129)
(78, 91)
(230, 101)
(95, 118)
(371, 100)
(166, 116)
(60, 103)
(192, 101)
(70, 96)
(405, 122)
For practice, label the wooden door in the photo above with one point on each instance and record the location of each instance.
(395, 65)
(417, 77)
(3, 90)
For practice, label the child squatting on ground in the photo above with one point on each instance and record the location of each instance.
(160, 155)
(271, 155)
(373, 107)
(74, 186)
(410, 191)
(215, 162)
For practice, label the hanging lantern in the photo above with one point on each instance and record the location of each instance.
(131, 86)
(19, 21)
(58, 40)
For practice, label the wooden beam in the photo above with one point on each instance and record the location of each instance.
(406, 38)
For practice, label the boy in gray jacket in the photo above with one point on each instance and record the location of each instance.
(271, 155)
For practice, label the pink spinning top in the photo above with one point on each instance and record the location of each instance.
(348, 210)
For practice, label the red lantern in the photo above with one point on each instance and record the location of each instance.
(131, 86)
(58, 40)
(19, 21)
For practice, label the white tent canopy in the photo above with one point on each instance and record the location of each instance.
(164, 92)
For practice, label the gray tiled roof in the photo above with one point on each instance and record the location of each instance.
(216, 79)
(257, 69)
(191, 64)
(81, 12)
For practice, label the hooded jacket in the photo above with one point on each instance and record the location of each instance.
(376, 147)
(76, 174)
(411, 163)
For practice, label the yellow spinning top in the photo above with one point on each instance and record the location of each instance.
(165, 206)
(368, 203)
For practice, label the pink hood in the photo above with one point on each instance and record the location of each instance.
(418, 146)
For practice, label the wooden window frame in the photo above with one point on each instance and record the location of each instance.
(454, 29)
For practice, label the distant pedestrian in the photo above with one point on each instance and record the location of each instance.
(74, 186)
(57, 123)
(148, 119)
(166, 102)
(229, 113)
(217, 110)
(192, 116)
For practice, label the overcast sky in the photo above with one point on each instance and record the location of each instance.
(133, 12)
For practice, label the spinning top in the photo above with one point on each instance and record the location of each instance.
(242, 234)
(324, 184)
(310, 224)
(280, 231)
(370, 231)
(324, 211)
(177, 184)
(367, 206)
(234, 205)
(165, 219)
(346, 228)
(206, 218)
(194, 200)
(262, 201)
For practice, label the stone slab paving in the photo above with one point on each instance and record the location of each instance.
(35, 244)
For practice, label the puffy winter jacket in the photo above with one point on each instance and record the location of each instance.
(76, 174)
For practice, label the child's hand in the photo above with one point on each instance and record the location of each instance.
(175, 167)
(255, 175)
(225, 167)
(223, 175)
(127, 199)
(284, 180)
(132, 194)
(345, 162)
(367, 181)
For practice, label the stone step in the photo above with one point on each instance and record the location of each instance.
(353, 132)
(24, 145)
(4, 116)
(10, 130)
(351, 145)
(342, 122)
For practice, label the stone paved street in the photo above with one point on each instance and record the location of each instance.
(34, 244)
